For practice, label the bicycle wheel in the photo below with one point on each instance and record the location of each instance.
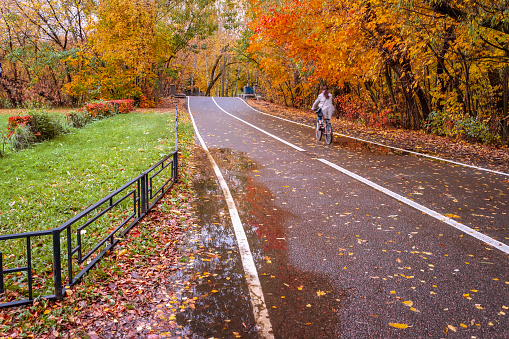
(318, 131)
(328, 133)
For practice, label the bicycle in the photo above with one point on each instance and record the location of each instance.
(324, 129)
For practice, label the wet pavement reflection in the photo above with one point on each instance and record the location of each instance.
(301, 304)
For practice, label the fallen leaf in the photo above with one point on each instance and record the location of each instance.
(452, 328)
(398, 325)
(320, 293)
(408, 303)
(121, 252)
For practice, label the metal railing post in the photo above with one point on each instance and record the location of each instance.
(175, 155)
(1, 273)
(57, 264)
(143, 194)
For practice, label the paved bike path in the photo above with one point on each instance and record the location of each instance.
(378, 260)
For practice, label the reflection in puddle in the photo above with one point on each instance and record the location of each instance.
(222, 307)
(361, 146)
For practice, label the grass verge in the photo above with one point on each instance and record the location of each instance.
(116, 291)
(50, 183)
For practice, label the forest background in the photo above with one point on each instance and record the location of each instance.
(434, 65)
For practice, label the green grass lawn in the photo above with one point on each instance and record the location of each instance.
(46, 185)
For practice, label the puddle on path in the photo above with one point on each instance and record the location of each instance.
(221, 306)
(362, 146)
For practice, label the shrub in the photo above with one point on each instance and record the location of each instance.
(77, 119)
(23, 137)
(457, 125)
(15, 121)
(99, 109)
(124, 105)
(45, 126)
(5, 103)
(477, 130)
(146, 102)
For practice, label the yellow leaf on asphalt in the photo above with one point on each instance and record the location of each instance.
(463, 325)
(393, 292)
(308, 305)
(408, 303)
(450, 215)
(452, 328)
(320, 293)
(398, 325)
(214, 291)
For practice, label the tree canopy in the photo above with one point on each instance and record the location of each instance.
(410, 62)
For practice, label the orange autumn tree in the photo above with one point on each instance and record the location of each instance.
(433, 64)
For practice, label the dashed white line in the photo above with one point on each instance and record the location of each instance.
(260, 311)
(383, 145)
(484, 238)
(459, 226)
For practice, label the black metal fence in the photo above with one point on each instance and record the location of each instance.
(78, 244)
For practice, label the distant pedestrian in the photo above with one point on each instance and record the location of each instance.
(324, 103)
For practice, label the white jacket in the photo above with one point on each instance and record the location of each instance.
(326, 105)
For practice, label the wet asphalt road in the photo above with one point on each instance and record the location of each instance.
(336, 258)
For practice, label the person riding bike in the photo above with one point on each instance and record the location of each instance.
(325, 103)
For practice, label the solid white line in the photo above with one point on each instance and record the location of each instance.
(383, 145)
(484, 238)
(260, 311)
(261, 130)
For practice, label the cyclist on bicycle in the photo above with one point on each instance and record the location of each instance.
(325, 103)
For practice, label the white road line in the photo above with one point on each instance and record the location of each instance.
(391, 147)
(260, 311)
(261, 130)
(484, 238)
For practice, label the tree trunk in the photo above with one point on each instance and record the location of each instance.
(388, 82)
(212, 78)
(441, 68)
(505, 113)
